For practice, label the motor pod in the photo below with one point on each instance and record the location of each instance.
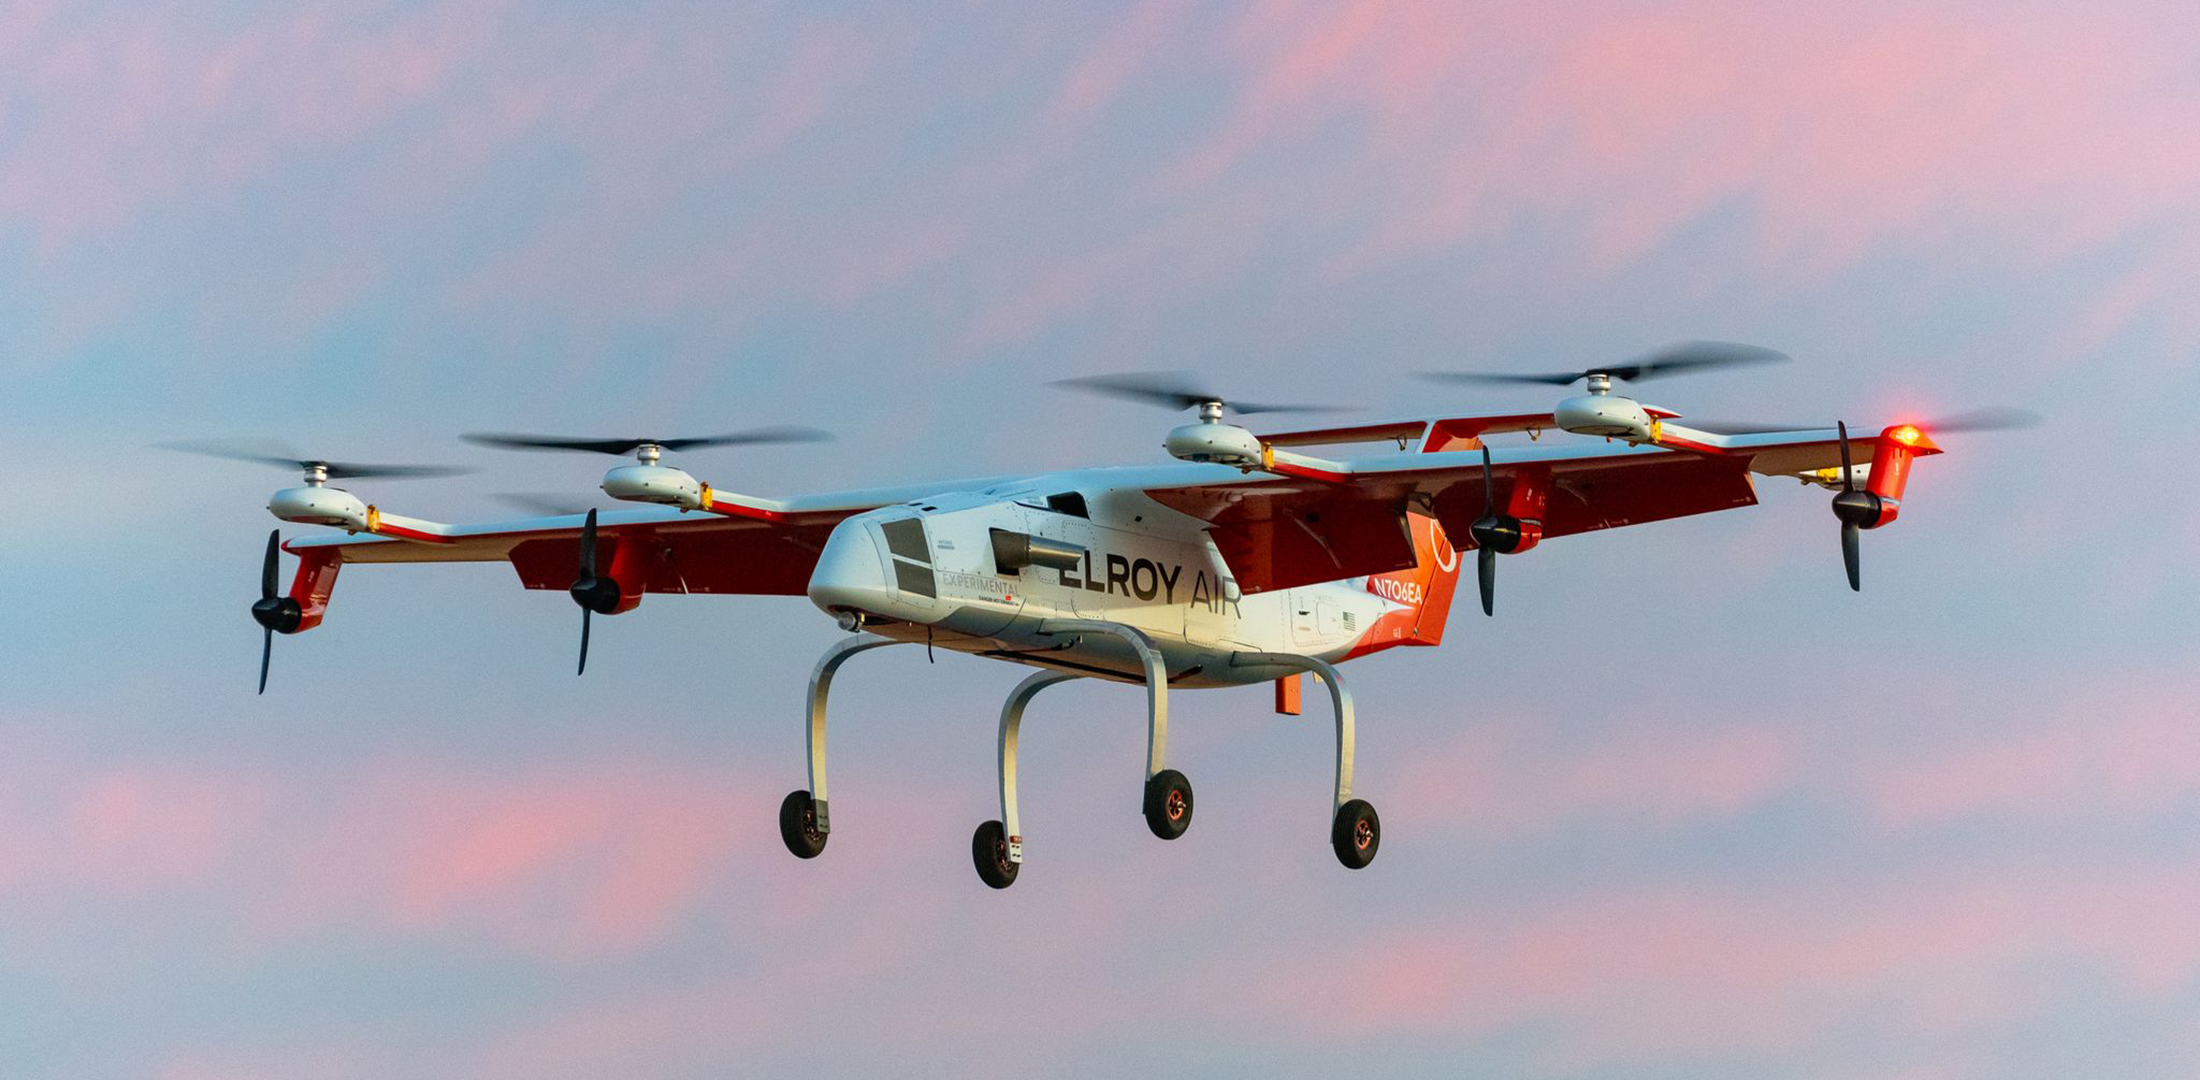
(1505, 534)
(1863, 509)
(654, 484)
(278, 613)
(1223, 444)
(1603, 414)
(1013, 551)
(317, 505)
(597, 594)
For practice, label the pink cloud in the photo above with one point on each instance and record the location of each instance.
(564, 860)
(1514, 778)
(1646, 971)
(2124, 752)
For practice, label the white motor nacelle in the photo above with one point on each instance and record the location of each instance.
(317, 505)
(1603, 414)
(654, 484)
(1224, 444)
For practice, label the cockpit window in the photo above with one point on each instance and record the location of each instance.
(905, 537)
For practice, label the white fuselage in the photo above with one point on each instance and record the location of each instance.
(926, 571)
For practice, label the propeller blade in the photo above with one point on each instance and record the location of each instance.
(267, 650)
(268, 568)
(541, 504)
(623, 447)
(583, 669)
(270, 452)
(1489, 484)
(588, 545)
(1485, 558)
(1174, 390)
(1848, 470)
(785, 433)
(339, 470)
(1850, 556)
(588, 573)
(1988, 419)
(1683, 357)
(1678, 358)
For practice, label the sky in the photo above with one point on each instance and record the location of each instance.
(1686, 807)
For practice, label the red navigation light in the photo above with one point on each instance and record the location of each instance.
(1906, 435)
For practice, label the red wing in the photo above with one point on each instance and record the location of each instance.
(695, 553)
(1281, 533)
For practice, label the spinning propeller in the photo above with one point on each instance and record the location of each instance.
(648, 450)
(1494, 534)
(1988, 419)
(592, 593)
(1676, 359)
(317, 470)
(275, 614)
(1860, 510)
(1175, 390)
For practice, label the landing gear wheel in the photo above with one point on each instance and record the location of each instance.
(1168, 804)
(989, 850)
(798, 825)
(1356, 834)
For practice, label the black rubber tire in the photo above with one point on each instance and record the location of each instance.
(1168, 804)
(1357, 834)
(798, 825)
(989, 851)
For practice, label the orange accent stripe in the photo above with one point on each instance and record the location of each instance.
(753, 513)
(1285, 468)
(403, 533)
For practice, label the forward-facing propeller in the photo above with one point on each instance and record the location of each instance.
(316, 470)
(1494, 534)
(275, 614)
(594, 594)
(1176, 390)
(1680, 358)
(649, 449)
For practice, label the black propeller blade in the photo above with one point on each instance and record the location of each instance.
(1851, 529)
(542, 505)
(1679, 358)
(1174, 390)
(622, 447)
(1494, 534)
(592, 593)
(275, 614)
(269, 452)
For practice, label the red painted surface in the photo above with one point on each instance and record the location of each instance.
(633, 558)
(1426, 588)
(1306, 472)
(315, 580)
(384, 528)
(712, 555)
(1463, 432)
(1287, 695)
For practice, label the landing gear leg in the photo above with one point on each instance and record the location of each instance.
(803, 822)
(1355, 832)
(1167, 799)
(998, 848)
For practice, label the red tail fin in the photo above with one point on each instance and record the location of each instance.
(1425, 589)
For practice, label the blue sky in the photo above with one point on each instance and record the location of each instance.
(1687, 807)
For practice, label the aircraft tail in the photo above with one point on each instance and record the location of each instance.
(1425, 588)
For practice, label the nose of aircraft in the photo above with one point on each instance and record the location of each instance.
(851, 573)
